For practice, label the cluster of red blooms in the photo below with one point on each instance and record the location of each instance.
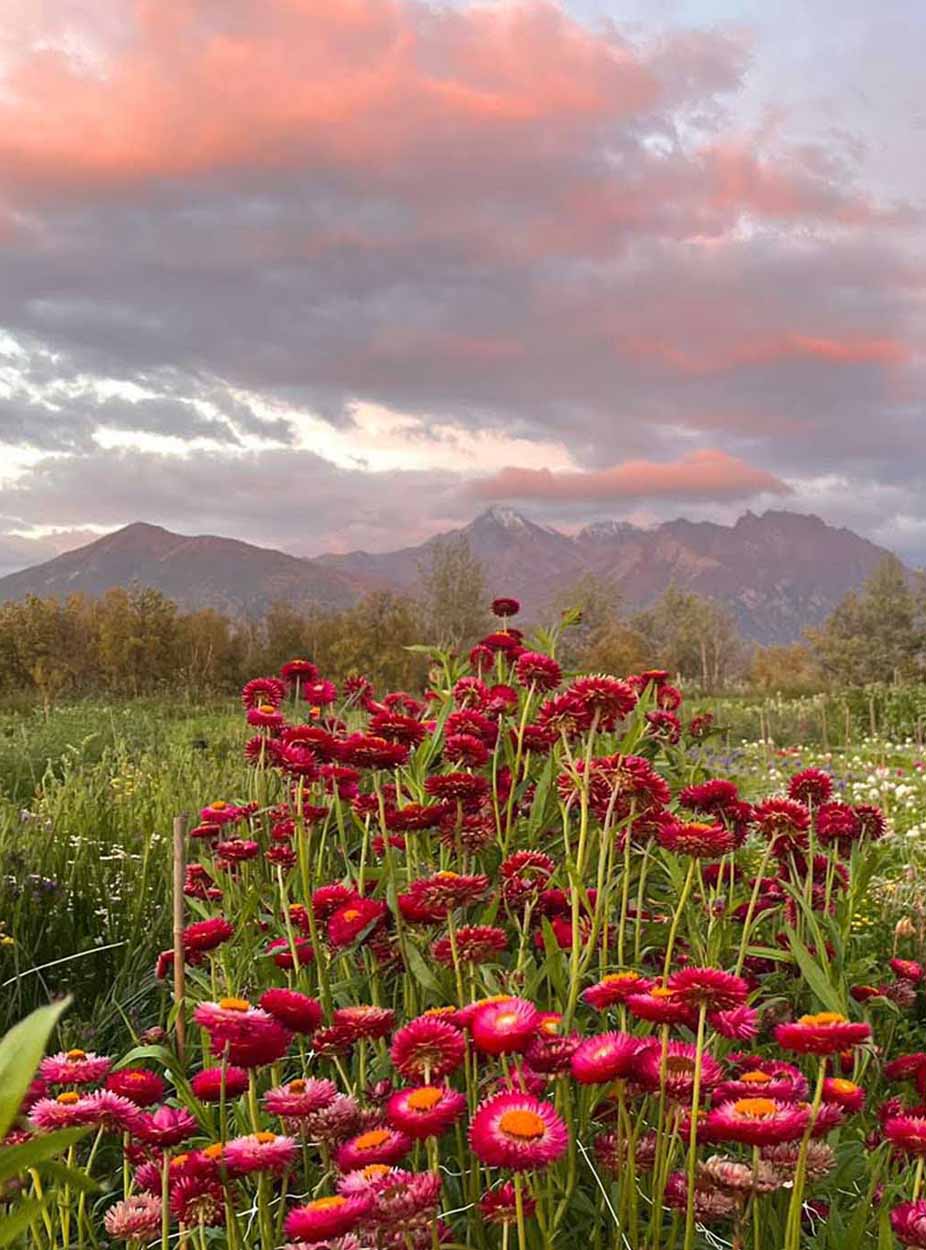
(439, 847)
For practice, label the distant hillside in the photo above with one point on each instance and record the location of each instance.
(779, 572)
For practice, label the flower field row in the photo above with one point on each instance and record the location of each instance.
(509, 962)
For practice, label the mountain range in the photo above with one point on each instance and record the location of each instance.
(779, 572)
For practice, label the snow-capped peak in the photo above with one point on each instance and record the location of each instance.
(507, 518)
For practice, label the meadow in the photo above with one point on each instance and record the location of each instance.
(527, 958)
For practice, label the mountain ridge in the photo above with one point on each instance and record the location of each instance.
(779, 572)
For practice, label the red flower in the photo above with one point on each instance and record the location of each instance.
(517, 1131)
(298, 670)
(696, 840)
(810, 786)
(364, 1021)
(427, 1048)
(537, 670)
(908, 1220)
(395, 727)
(664, 725)
(615, 988)
(475, 944)
(604, 1058)
(139, 1085)
(709, 987)
(358, 916)
(207, 1085)
(296, 1012)
(609, 697)
(500, 1028)
(505, 607)
(756, 1121)
(378, 1145)
(326, 1218)
(710, 797)
(425, 1111)
(263, 690)
(842, 1093)
(465, 749)
(371, 751)
(457, 787)
(907, 1133)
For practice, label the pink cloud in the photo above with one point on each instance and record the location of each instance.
(702, 475)
(766, 349)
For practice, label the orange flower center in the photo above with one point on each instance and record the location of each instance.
(327, 1204)
(265, 1138)
(525, 1125)
(234, 1004)
(74, 1056)
(680, 1064)
(839, 1086)
(441, 1011)
(755, 1078)
(211, 1152)
(615, 978)
(218, 806)
(823, 1018)
(369, 1141)
(550, 1026)
(296, 1087)
(661, 991)
(135, 1076)
(352, 914)
(446, 875)
(755, 1108)
(179, 1160)
(68, 1099)
(267, 708)
(373, 1170)
(425, 1098)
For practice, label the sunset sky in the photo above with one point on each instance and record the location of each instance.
(326, 274)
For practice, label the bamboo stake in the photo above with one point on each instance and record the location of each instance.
(179, 966)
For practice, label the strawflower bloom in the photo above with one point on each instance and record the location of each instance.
(500, 1205)
(537, 670)
(907, 969)
(74, 1067)
(615, 988)
(137, 1218)
(604, 1058)
(908, 1220)
(500, 1028)
(300, 1098)
(756, 1121)
(65, 1111)
(402, 1201)
(139, 1085)
(425, 1111)
(505, 606)
(196, 1200)
(675, 1070)
(259, 1152)
(378, 1145)
(517, 1131)
(206, 935)
(697, 840)
(110, 1112)
(356, 917)
(810, 786)
(168, 1126)
(843, 1093)
(826, 1033)
(364, 1020)
(329, 1217)
(475, 944)
(207, 1085)
(709, 987)
(907, 1133)
(427, 1048)
(297, 1012)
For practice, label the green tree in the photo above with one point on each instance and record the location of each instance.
(452, 594)
(692, 636)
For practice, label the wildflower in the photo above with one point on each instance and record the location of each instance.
(710, 1203)
(65, 1111)
(608, 698)
(137, 1218)
(615, 988)
(329, 1217)
(810, 786)
(708, 987)
(756, 1121)
(427, 1048)
(819, 1159)
(198, 1200)
(168, 1126)
(710, 798)
(298, 670)
(259, 1152)
(500, 1205)
(661, 1005)
(739, 1023)
(300, 1098)
(908, 1220)
(780, 1081)
(207, 1085)
(664, 726)
(74, 1067)
(465, 749)
(372, 751)
(907, 969)
(139, 1085)
(446, 891)
(111, 1112)
(675, 1069)
(500, 1028)
(363, 1020)
(826, 1033)
(475, 944)
(907, 1133)
(457, 787)
(697, 840)
(394, 727)
(402, 1201)
(537, 670)
(517, 1131)
(297, 1012)
(604, 1058)
(425, 1111)
(356, 917)
(378, 1145)
(842, 1093)
(505, 607)
(737, 1177)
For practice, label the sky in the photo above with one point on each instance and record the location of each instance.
(338, 274)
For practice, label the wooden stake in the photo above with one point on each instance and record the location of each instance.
(179, 966)
(826, 741)
(848, 725)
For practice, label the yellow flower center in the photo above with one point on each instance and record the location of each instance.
(211, 1152)
(373, 1170)
(352, 914)
(74, 1056)
(661, 991)
(550, 1026)
(68, 1099)
(327, 1204)
(755, 1108)
(525, 1125)
(446, 875)
(234, 1004)
(823, 1018)
(441, 1011)
(755, 1078)
(425, 1098)
(839, 1086)
(218, 806)
(265, 1138)
(616, 978)
(506, 1018)
(179, 1160)
(376, 1137)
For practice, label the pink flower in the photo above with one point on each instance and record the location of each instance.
(300, 1098)
(378, 1145)
(74, 1067)
(259, 1152)
(425, 1111)
(325, 1218)
(427, 1048)
(517, 1131)
(756, 1121)
(134, 1219)
(604, 1058)
(501, 1028)
(168, 1126)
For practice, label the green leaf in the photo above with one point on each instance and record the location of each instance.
(17, 1159)
(814, 976)
(19, 1220)
(419, 969)
(20, 1053)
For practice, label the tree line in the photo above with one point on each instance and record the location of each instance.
(136, 641)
